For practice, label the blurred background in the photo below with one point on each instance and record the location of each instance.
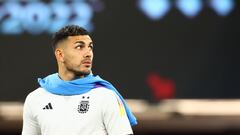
(176, 61)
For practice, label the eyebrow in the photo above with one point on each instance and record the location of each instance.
(81, 42)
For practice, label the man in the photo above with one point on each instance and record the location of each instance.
(74, 101)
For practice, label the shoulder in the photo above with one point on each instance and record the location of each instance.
(35, 95)
(32, 101)
(104, 92)
(104, 95)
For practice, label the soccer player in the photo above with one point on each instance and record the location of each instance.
(74, 101)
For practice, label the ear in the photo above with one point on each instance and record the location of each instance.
(59, 55)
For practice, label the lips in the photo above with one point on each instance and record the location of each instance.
(87, 62)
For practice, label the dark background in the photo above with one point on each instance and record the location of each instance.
(200, 55)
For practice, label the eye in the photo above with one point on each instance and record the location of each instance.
(91, 46)
(79, 46)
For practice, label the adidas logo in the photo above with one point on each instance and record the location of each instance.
(48, 106)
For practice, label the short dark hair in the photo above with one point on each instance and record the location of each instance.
(69, 30)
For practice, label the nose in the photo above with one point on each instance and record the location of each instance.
(88, 53)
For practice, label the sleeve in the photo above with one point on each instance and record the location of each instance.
(115, 119)
(30, 125)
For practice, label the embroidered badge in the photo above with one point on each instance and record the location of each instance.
(83, 106)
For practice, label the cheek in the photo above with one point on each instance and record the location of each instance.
(73, 59)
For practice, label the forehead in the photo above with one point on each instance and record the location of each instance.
(84, 38)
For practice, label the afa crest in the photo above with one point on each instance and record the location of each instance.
(83, 107)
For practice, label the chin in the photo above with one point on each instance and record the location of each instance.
(83, 72)
(88, 71)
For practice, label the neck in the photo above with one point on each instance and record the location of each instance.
(68, 75)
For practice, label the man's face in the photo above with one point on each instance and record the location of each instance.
(78, 54)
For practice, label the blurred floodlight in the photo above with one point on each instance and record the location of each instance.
(11, 110)
(2, 12)
(37, 17)
(12, 24)
(222, 7)
(154, 9)
(84, 13)
(201, 107)
(61, 12)
(82, 10)
(189, 8)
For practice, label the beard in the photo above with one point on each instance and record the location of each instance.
(82, 73)
(78, 72)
